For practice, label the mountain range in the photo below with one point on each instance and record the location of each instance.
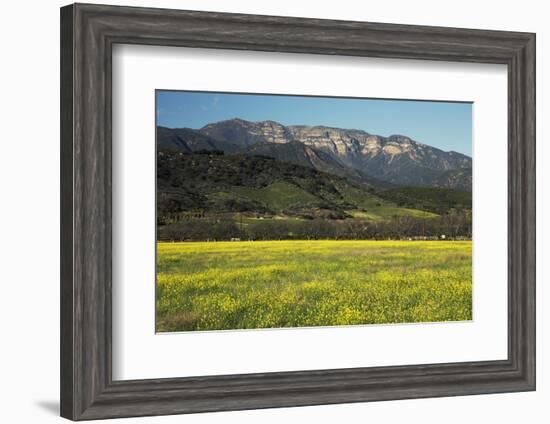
(356, 155)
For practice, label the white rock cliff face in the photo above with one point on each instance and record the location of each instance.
(340, 143)
(353, 145)
(271, 131)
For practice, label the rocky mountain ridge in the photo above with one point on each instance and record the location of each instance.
(396, 159)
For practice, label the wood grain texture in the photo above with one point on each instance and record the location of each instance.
(66, 212)
(88, 33)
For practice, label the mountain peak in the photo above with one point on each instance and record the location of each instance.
(247, 133)
(403, 139)
(230, 121)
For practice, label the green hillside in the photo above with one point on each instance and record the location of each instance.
(214, 183)
(279, 196)
(433, 199)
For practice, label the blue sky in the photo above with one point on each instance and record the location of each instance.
(445, 125)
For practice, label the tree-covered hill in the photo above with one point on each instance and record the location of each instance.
(216, 182)
(213, 182)
(434, 199)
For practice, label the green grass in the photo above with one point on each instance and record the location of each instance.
(362, 197)
(435, 199)
(380, 213)
(376, 208)
(277, 196)
(270, 284)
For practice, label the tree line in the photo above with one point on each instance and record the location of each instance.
(455, 224)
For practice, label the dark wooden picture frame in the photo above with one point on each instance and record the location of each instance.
(88, 33)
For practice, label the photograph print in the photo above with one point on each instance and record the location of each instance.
(285, 211)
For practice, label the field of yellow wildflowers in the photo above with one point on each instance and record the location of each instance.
(273, 284)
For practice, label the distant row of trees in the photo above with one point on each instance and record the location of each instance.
(455, 224)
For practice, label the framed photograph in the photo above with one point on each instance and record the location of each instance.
(263, 211)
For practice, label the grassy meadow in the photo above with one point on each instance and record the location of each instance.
(273, 284)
